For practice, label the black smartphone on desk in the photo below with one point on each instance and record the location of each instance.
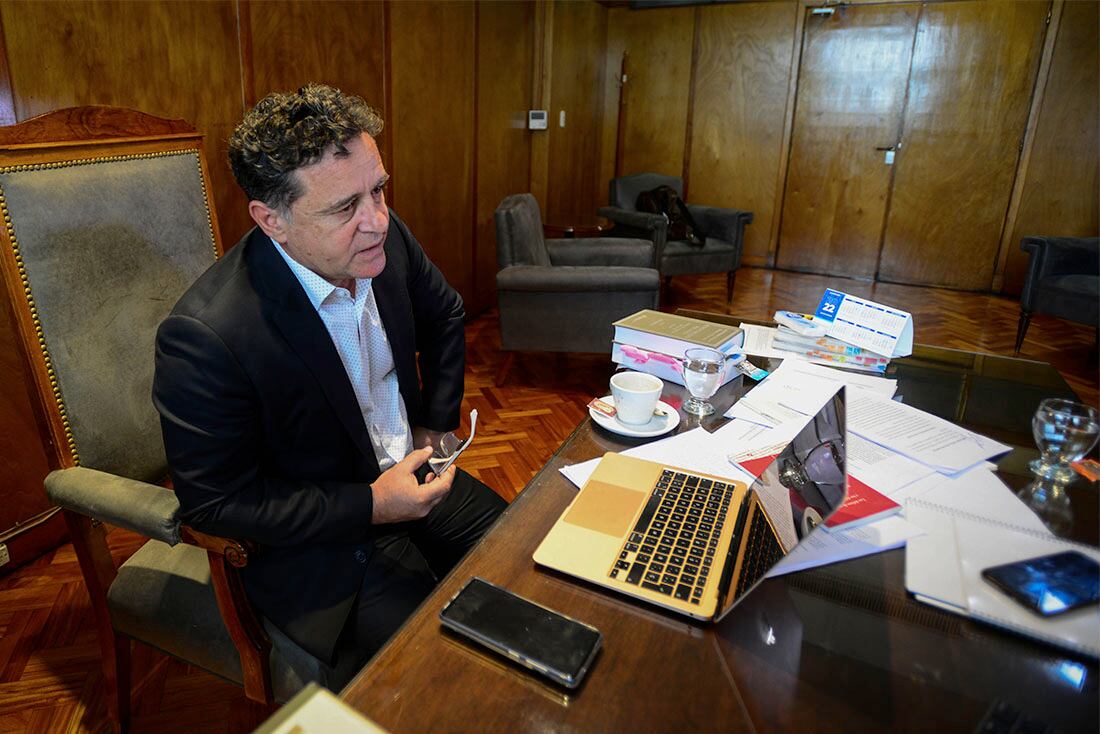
(1049, 585)
(540, 639)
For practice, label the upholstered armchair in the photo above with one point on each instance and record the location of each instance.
(722, 230)
(1063, 280)
(108, 219)
(562, 295)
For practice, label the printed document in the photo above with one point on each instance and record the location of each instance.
(797, 390)
(862, 383)
(821, 548)
(920, 436)
(744, 440)
(695, 450)
(880, 468)
(758, 342)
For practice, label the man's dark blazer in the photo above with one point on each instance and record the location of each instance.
(262, 430)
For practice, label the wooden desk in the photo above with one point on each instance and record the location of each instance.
(838, 648)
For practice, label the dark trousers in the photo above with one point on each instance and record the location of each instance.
(410, 558)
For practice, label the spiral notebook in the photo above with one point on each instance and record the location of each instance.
(943, 568)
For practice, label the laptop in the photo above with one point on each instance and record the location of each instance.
(696, 543)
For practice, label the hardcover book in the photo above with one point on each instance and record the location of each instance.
(672, 334)
(665, 366)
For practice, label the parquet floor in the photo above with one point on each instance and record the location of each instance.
(49, 659)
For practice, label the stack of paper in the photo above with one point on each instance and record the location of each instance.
(801, 334)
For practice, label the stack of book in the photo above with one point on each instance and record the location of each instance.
(800, 334)
(655, 342)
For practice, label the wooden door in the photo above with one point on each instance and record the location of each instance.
(974, 67)
(745, 55)
(851, 95)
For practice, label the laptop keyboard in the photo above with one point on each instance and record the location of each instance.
(761, 553)
(671, 549)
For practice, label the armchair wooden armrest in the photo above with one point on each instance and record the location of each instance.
(226, 558)
(90, 498)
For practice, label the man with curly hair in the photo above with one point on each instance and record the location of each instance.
(293, 411)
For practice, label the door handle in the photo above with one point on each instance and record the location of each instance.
(888, 153)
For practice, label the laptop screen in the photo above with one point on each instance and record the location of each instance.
(790, 499)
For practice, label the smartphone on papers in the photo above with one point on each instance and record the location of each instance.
(540, 639)
(1049, 585)
(451, 449)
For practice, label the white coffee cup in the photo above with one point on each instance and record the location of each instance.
(635, 395)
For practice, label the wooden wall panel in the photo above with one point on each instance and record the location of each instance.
(299, 41)
(658, 44)
(295, 42)
(1061, 194)
(542, 62)
(974, 68)
(745, 53)
(573, 191)
(432, 130)
(23, 460)
(504, 66)
(611, 91)
(615, 61)
(176, 60)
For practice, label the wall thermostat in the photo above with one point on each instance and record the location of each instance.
(536, 119)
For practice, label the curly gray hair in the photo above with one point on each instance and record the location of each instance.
(288, 130)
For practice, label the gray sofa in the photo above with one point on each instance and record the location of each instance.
(562, 295)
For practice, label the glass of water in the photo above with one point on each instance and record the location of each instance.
(702, 375)
(1064, 432)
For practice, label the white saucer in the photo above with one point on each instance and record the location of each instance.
(656, 426)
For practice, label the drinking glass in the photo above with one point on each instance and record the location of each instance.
(1064, 432)
(702, 375)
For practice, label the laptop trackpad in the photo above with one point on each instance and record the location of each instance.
(605, 508)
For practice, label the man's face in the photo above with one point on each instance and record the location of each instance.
(337, 226)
